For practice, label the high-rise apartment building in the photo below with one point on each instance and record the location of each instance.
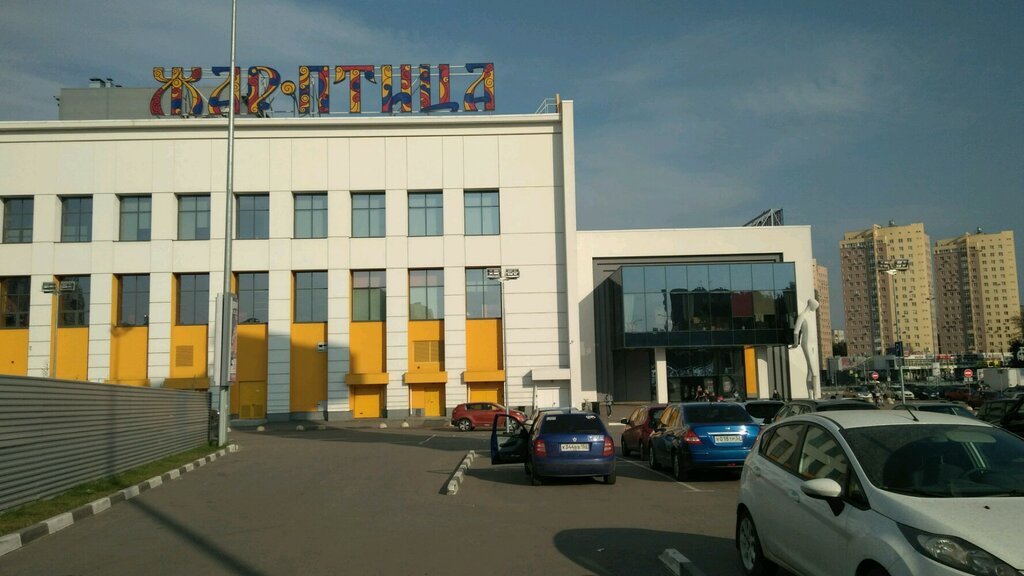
(887, 290)
(824, 316)
(977, 292)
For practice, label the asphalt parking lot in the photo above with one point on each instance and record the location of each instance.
(372, 501)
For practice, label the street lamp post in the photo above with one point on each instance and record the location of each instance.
(892, 267)
(502, 278)
(57, 288)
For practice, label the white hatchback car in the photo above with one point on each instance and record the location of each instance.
(882, 493)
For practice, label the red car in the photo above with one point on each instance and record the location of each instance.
(639, 426)
(473, 414)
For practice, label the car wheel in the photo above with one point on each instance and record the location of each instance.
(625, 450)
(876, 571)
(679, 470)
(465, 425)
(536, 479)
(610, 478)
(749, 544)
(652, 461)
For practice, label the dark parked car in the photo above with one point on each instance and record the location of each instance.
(940, 406)
(559, 444)
(761, 409)
(957, 393)
(806, 406)
(639, 426)
(994, 410)
(702, 435)
(479, 414)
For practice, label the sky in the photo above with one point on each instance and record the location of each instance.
(688, 114)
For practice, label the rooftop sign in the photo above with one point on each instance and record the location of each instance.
(314, 89)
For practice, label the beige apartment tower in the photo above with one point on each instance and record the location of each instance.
(887, 290)
(977, 293)
(824, 313)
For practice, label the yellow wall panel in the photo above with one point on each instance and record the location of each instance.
(483, 345)
(73, 353)
(308, 366)
(14, 352)
(486, 392)
(366, 401)
(129, 355)
(750, 370)
(188, 354)
(424, 357)
(250, 399)
(366, 348)
(251, 390)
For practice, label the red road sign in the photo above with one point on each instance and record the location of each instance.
(968, 373)
(874, 375)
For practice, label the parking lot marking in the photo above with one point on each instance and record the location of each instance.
(428, 439)
(689, 487)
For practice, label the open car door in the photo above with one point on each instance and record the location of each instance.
(509, 440)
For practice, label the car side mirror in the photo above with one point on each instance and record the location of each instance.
(825, 489)
(624, 421)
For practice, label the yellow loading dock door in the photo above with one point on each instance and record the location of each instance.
(429, 397)
(486, 392)
(366, 401)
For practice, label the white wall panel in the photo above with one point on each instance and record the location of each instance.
(368, 253)
(132, 257)
(73, 258)
(252, 165)
(396, 170)
(526, 249)
(338, 152)
(484, 251)
(249, 255)
(531, 210)
(309, 254)
(426, 252)
(134, 167)
(452, 163)
(73, 166)
(480, 162)
(527, 160)
(193, 161)
(425, 163)
(309, 164)
(367, 164)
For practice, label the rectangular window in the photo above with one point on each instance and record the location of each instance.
(368, 215)
(15, 293)
(18, 220)
(73, 304)
(426, 294)
(76, 219)
(133, 307)
(311, 215)
(193, 299)
(253, 297)
(426, 214)
(482, 214)
(194, 217)
(253, 217)
(136, 217)
(483, 295)
(369, 290)
(310, 297)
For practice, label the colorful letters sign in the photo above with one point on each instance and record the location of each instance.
(312, 93)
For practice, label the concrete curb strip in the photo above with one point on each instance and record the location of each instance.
(12, 542)
(459, 475)
(678, 564)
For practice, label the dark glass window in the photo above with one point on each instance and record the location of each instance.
(73, 306)
(426, 294)
(194, 217)
(426, 214)
(368, 215)
(76, 219)
(369, 291)
(133, 309)
(18, 220)
(253, 217)
(482, 213)
(136, 218)
(193, 299)
(15, 293)
(253, 297)
(311, 297)
(483, 295)
(311, 215)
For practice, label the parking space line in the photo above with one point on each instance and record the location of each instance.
(432, 436)
(689, 487)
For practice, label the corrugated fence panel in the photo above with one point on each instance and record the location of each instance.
(56, 434)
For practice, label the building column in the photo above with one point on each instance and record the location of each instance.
(661, 374)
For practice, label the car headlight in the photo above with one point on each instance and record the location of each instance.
(957, 553)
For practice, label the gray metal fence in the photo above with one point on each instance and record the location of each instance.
(56, 434)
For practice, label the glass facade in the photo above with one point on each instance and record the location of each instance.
(707, 304)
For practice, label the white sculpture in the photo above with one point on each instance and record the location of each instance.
(802, 338)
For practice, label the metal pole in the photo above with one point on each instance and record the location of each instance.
(56, 331)
(504, 350)
(225, 319)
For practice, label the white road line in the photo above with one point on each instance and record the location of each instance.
(428, 439)
(689, 487)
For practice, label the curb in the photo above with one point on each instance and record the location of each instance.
(678, 564)
(16, 540)
(452, 487)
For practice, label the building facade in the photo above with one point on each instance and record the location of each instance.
(364, 253)
(977, 293)
(821, 293)
(886, 304)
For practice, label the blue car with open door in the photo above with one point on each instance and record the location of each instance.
(702, 435)
(560, 443)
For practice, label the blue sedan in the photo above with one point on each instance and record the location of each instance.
(702, 435)
(560, 443)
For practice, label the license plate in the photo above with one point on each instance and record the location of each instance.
(575, 447)
(727, 439)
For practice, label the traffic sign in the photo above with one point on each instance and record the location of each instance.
(968, 373)
(874, 375)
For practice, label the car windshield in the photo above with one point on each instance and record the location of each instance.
(713, 413)
(846, 406)
(940, 460)
(763, 410)
(571, 424)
